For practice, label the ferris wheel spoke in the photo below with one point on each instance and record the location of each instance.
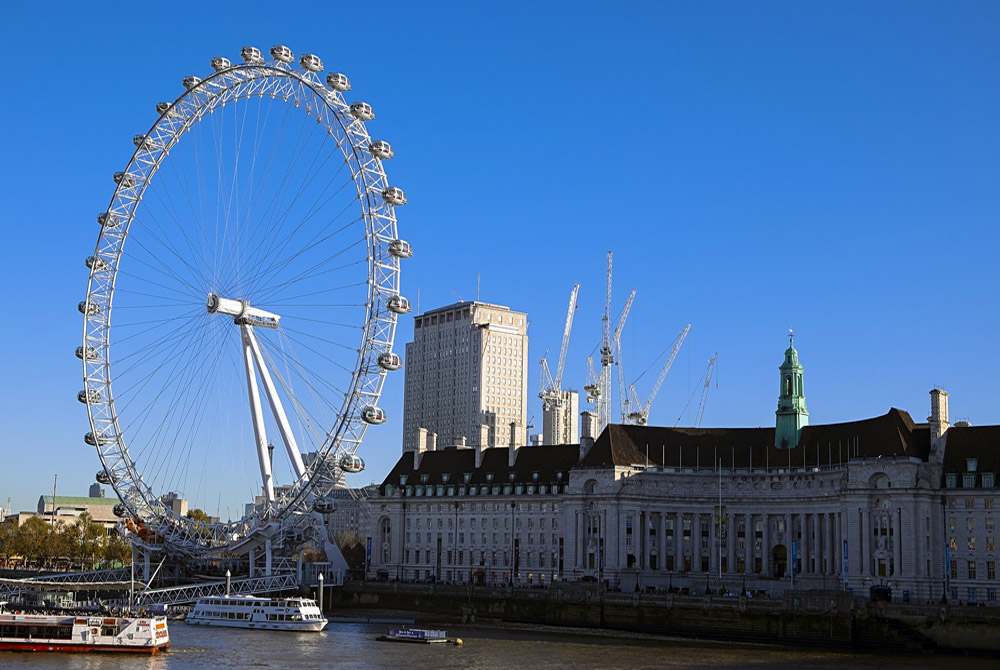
(314, 243)
(317, 270)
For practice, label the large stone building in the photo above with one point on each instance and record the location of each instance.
(467, 367)
(884, 503)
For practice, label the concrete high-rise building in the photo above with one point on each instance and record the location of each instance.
(467, 376)
(559, 420)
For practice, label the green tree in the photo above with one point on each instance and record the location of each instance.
(86, 539)
(33, 541)
(8, 540)
(117, 550)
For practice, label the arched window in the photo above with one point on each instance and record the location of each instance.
(788, 385)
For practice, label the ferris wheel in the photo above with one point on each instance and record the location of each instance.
(243, 294)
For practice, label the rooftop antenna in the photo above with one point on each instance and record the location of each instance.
(477, 286)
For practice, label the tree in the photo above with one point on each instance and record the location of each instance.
(86, 539)
(33, 541)
(8, 540)
(117, 550)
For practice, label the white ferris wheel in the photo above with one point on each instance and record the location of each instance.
(241, 305)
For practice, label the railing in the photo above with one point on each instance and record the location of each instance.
(180, 595)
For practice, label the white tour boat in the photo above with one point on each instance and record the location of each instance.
(62, 632)
(299, 614)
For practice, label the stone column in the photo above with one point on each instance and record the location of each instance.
(641, 544)
(580, 541)
(678, 542)
(805, 544)
(663, 542)
(765, 549)
(731, 544)
(866, 549)
(897, 543)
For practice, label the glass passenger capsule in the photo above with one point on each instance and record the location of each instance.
(324, 505)
(120, 510)
(394, 196)
(88, 308)
(338, 81)
(190, 82)
(280, 52)
(167, 108)
(362, 111)
(88, 396)
(398, 304)
(108, 219)
(401, 249)
(389, 360)
(380, 149)
(96, 263)
(89, 352)
(124, 179)
(351, 463)
(98, 441)
(219, 63)
(103, 477)
(145, 142)
(251, 55)
(311, 62)
(373, 415)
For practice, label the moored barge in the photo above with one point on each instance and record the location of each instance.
(69, 632)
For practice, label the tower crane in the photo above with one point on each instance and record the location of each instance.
(551, 392)
(640, 416)
(704, 392)
(556, 426)
(622, 397)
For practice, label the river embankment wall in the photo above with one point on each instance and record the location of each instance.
(832, 619)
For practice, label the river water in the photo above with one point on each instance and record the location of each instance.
(349, 646)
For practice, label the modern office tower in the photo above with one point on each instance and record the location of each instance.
(467, 376)
(559, 419)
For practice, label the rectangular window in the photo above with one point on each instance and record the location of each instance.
(972, 569)
(990, 544)
(953, 568)
(972, 543)
(988, 480)
(991, 570)
(950, 481)
(969, 480)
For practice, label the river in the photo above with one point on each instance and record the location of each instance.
(349, 646)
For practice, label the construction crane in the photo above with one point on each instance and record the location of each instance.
(704, 392)
(640, 416)
(622, 396)
(598, 385)
(553, 419)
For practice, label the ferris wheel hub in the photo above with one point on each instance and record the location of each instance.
(241, 311)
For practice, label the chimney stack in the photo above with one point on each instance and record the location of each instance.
(460, 441)
(588, 426)
(938, 421)
(484, 432)
(432, 441)
(418, 453)
(512, 445)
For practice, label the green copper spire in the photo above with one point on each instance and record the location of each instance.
(792, 414)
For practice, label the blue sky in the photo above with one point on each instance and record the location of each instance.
(831, 167)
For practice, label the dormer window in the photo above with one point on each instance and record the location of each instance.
(534, 476)
(950, 481)
(510, 476)
(971, 464)
(466, 476)
(402, 480)
(424, 478)
(489, 477)
(444, 477)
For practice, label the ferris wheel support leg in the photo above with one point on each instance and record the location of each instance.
(338, 564)
(258, 418)
(276, 408)
(267, 557)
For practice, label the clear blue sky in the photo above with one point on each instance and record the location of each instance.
(829, 166)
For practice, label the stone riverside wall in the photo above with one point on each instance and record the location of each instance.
(826, 618)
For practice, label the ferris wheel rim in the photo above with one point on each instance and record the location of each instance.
(367, 377)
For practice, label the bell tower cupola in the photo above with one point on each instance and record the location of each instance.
(791, 415)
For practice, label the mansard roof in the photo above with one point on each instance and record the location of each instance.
(979, 442)
(893, 434)
(449, 466)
